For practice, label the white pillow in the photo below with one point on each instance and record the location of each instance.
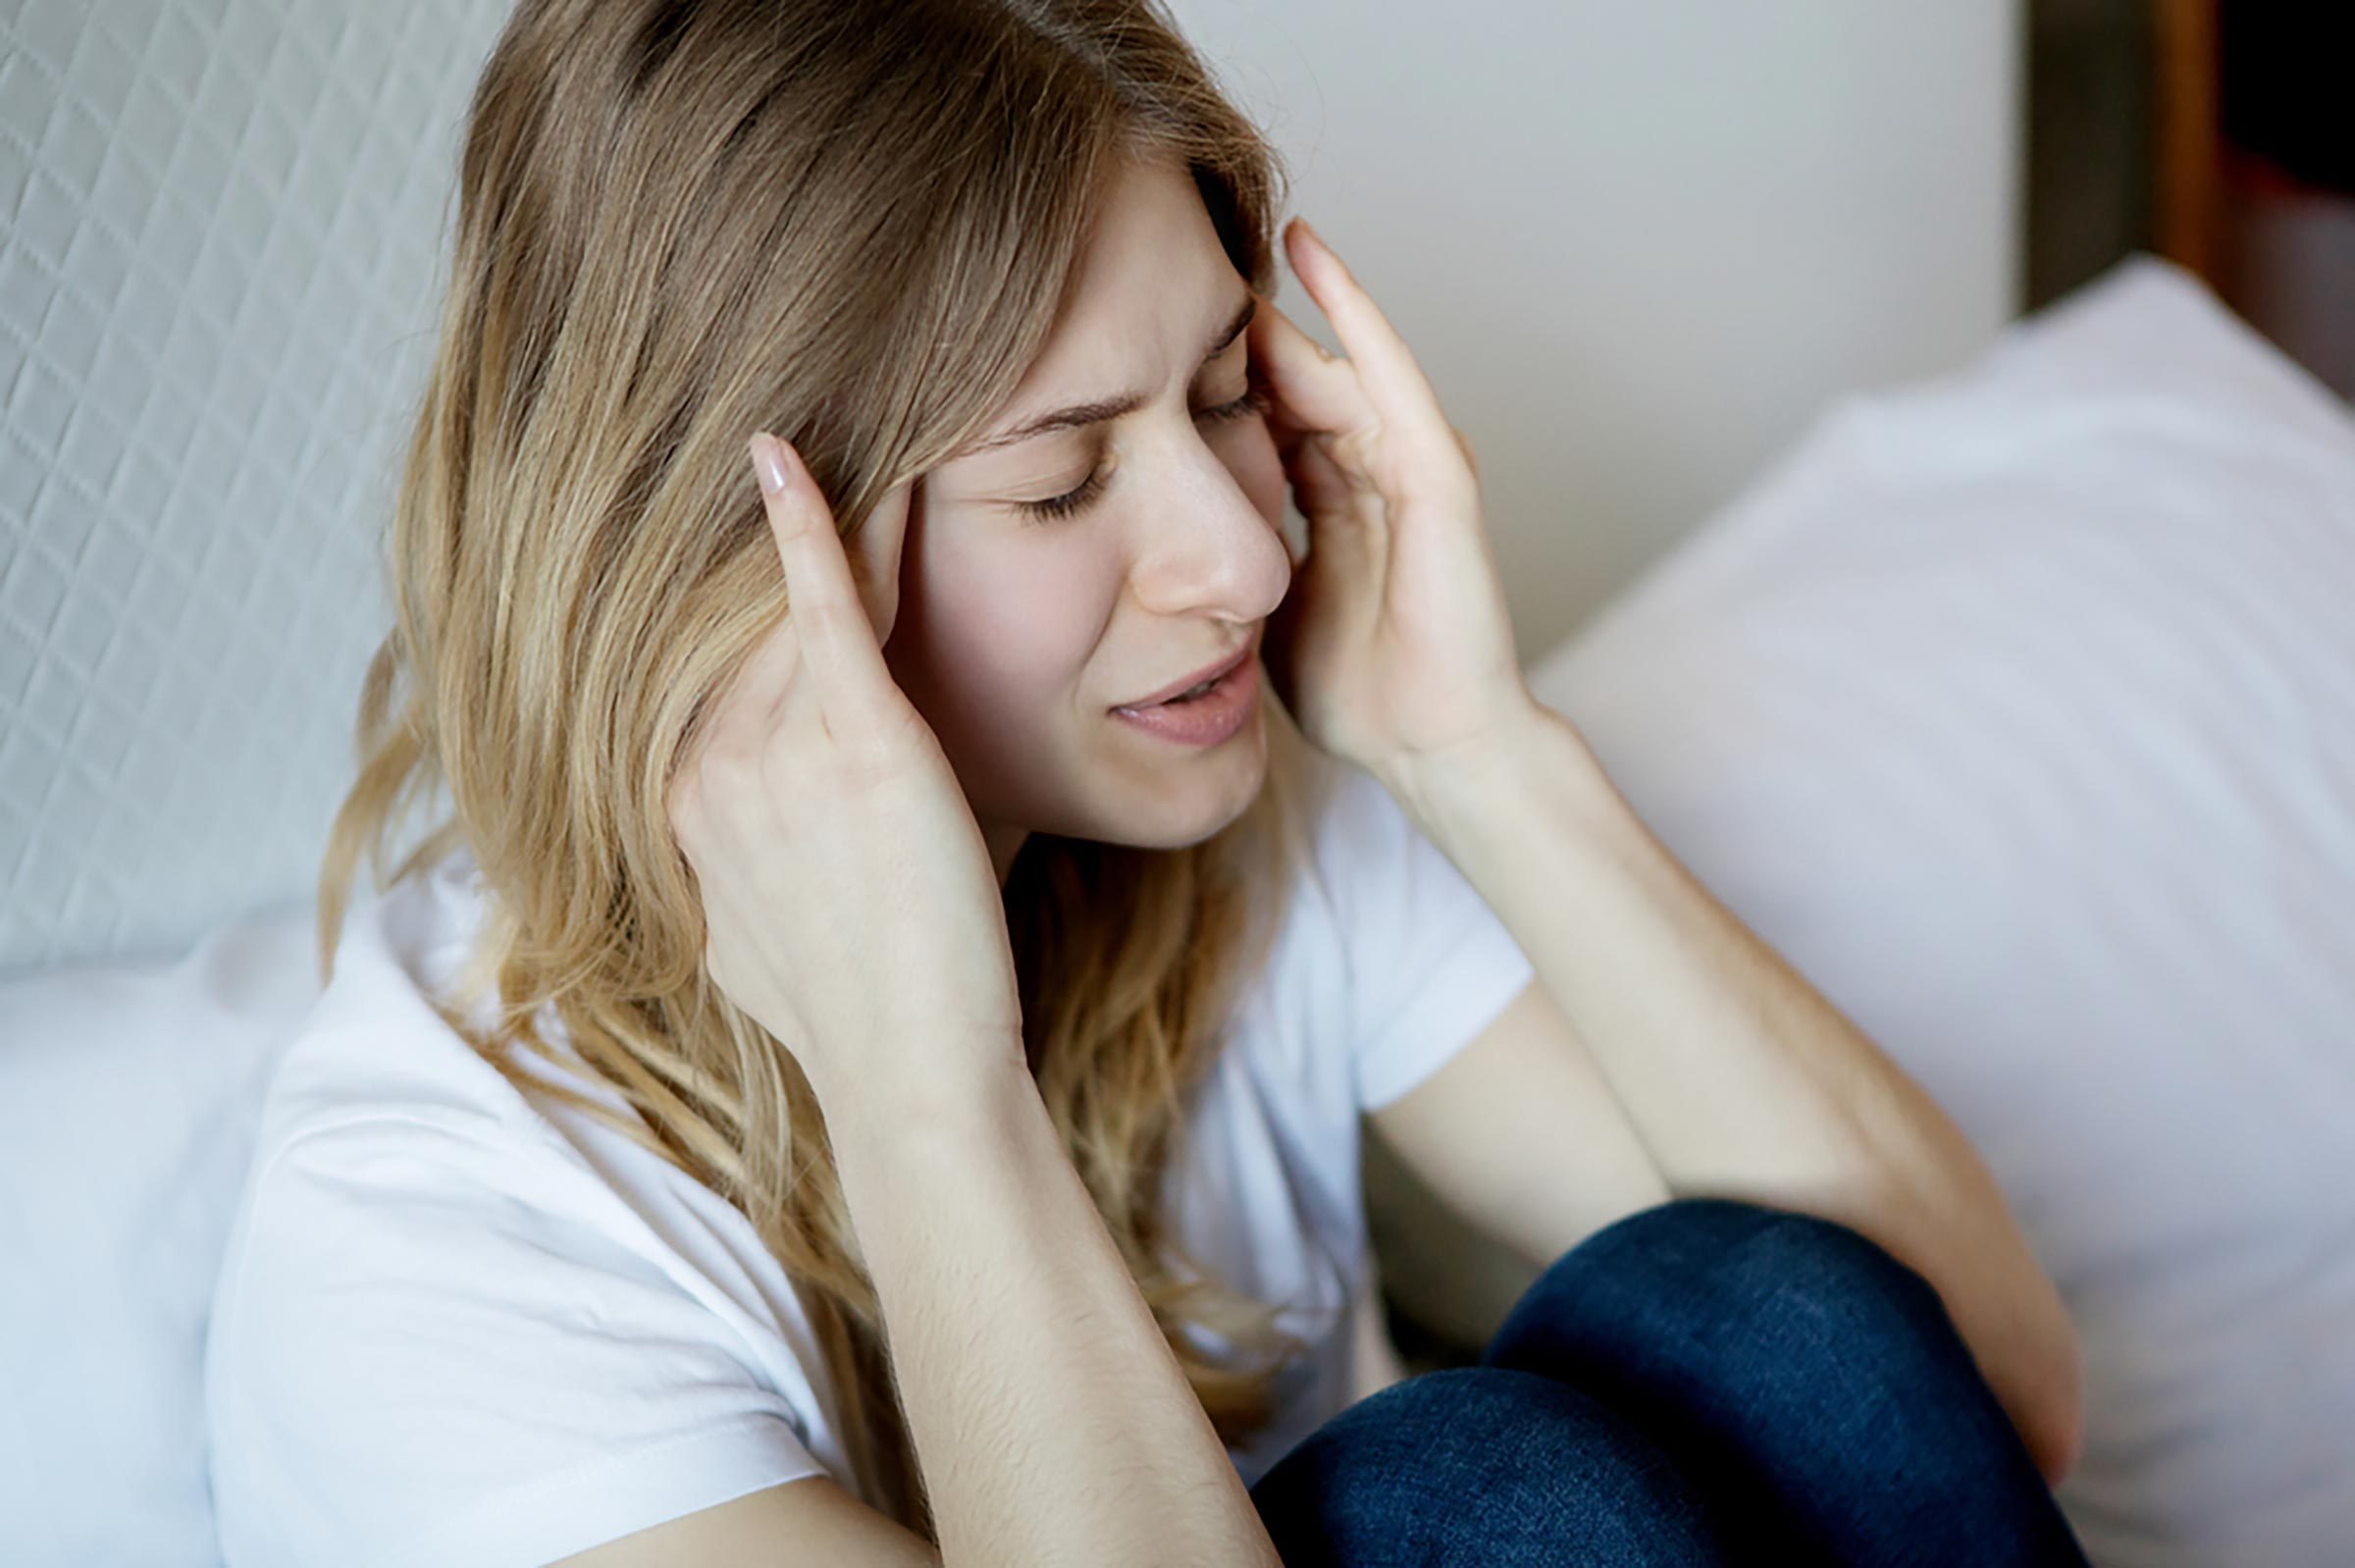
(2017, 711)
(129, 1094)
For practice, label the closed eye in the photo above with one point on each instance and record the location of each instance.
(1250, 404)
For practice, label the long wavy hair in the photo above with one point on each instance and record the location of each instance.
(680, 220)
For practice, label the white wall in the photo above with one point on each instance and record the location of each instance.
(1637, 245)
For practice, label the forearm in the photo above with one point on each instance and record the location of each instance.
(1739, 1076)
(1050, 1419)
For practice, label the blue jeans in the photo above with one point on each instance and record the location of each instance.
(1708, 1382)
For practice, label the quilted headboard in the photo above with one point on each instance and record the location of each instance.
(223, 224)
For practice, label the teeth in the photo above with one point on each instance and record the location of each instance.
(1189, 696)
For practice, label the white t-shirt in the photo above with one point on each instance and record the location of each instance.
(461, 1325)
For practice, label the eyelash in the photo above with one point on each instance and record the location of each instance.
(1254, 402)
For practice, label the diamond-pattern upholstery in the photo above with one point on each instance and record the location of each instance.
(224, 226)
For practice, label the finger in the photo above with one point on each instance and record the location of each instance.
(1316, 392)
(840, 655)
(877, 548)
(733, 723)
(1394, 383)
(740, 709)
(1319, 483)
(1471, 458)
(1347, 523)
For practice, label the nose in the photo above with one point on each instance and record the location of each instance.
(1206, 550)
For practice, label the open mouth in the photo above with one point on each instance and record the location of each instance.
(1201, 691)
(1212, 713)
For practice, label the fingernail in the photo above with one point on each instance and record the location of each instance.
(768, 461)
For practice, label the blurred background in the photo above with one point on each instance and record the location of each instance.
(2219, 134)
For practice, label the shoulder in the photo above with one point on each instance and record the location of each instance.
(426, 1323)
(1387, 959)
(439, 1309)
(1367, 859)
(1351, 844)
(1427, 961)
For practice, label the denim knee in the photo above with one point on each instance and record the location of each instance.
(1830, 1301)
(1482, 1465)
(1811, 1385)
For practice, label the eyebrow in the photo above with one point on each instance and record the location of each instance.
(1103, 408)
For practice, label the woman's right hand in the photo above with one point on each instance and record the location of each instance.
(851, 905)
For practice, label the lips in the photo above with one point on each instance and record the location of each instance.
(1208, 673)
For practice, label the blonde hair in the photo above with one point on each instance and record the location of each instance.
(680, 220)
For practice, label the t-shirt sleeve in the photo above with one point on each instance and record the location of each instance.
(417, 1362)
(1430, 964)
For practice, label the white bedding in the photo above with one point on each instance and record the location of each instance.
(129, 1100)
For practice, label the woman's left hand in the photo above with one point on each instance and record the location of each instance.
(1393, 646)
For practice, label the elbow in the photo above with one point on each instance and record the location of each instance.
(2055, 1432)
(2058, 1444)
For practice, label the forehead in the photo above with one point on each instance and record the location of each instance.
(1152, 276)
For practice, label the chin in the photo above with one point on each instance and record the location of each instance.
(1180, 801)
(1198, 798)
(1168, 835)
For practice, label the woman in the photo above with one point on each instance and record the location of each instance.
(868, 1066)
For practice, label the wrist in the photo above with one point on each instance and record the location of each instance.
(944, 1088)
(1493, 779)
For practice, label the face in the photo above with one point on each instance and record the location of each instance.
(1020, 629)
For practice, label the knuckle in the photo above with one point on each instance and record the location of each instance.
(781, 754)
(1355, 449)
(867, 752)
(888, 744)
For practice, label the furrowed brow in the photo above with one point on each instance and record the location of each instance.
(1096, 412)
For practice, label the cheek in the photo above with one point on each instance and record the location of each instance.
(1008, 623)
